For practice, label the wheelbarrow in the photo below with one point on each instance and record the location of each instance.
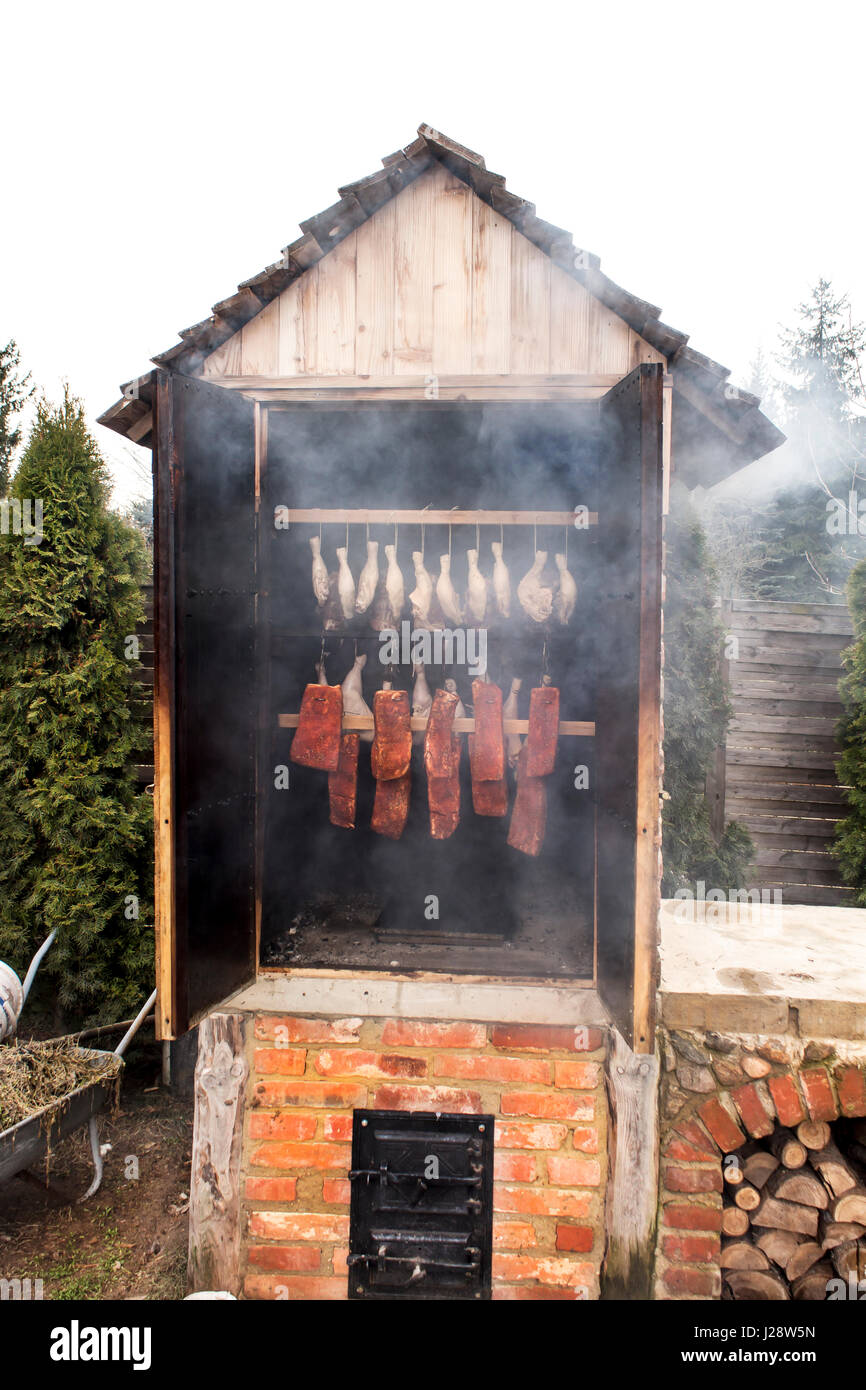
(25, 1143)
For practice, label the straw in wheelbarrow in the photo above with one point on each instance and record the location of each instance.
(35, 1074)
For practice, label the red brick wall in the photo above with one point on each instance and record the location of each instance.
(717, 1092)
(543, 1083)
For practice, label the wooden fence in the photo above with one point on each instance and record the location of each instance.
(776, 774)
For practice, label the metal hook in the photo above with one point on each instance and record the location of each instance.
(424, 509)
(478, 537)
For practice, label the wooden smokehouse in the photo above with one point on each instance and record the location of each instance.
(426, 1060)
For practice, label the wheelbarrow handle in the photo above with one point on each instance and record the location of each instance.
(34, 966)
(134, 1026)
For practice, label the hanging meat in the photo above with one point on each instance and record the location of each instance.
(488, 751)
(343, 784)
(321, 585)
(529, 817)
(442, 763)
(391, 806)
(460, 712)
(513, 742)
(392, 741)
(394, 586)
(353, 695)
(501, 580)
(369, 578)
(422, 700)
(543, 737)
(345, 584)
(421, 596)
(445, 591)
(476, 589)
(488, 798)
(536, 598)
(317, 738)
(566, 593)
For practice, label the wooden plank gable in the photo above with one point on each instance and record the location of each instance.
(435, 282)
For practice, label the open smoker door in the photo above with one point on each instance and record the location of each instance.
(204, 697)
(628, 701)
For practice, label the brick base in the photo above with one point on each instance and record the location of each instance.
(544, 1084)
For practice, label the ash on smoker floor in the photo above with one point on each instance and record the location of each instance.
(549, 938)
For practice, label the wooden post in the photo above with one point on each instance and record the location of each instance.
(632, 1200)
(214, 1208)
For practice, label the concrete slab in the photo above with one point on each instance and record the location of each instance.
(764, 968)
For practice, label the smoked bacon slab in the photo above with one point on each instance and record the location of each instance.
(543, 737)
(488, 749)
(317, 738)
(442, 763)
(391, 806)
(392, 741)
(529, 817)
(488, 798)
(343, 784)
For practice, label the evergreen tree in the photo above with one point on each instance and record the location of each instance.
(76, 834)
(15, 391)
(696, 713)
(850, 842)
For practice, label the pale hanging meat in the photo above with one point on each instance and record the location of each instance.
(513, 742)
(353, 695)
(529, 817)
(343, 784)
(488, 750)
(421, 596)
(476, 590)
(566, 593)
(501, 580)
(345, 584)
(536, 598)
(394, 586)
(392, 743)
(442, 763)
(321, 585)
(369, 578)
(543, 737)
(445, 591)
(422, 699)
(451, 687)
(317, 738)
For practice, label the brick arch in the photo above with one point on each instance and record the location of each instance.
(707, 1111)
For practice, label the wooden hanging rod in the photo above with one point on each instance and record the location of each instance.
(340, 516)
(355, 723)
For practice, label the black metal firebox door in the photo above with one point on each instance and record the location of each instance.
(422, 1205)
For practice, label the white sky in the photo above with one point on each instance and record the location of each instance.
(157, 154)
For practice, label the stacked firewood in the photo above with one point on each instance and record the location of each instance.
(794, 1214)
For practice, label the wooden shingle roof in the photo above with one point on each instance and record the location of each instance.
(702, 382)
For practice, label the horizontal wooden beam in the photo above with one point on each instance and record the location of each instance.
(353, 723)
(500, 381)
(413, 517)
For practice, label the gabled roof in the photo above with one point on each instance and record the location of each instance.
(700, 380)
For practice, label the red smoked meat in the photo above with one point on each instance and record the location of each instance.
(343, 784)
(443, 796)
(488, 749)
(317, 737)
(392, 741)
(529, 817)
(391, 806)
(488, 798)
(439, 742)
(543, 737)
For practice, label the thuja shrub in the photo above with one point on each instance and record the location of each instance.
(850, 840)
(75, 832)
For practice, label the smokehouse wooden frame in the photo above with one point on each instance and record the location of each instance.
(428, 281)
(204, 949)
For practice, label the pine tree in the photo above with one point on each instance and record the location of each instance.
(15, 391)
(76, 834)
(850, 842)
(696, 713)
